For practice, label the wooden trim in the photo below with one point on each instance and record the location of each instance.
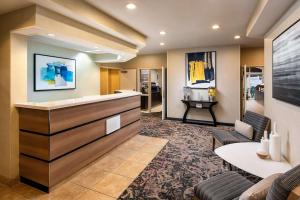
(295, 194)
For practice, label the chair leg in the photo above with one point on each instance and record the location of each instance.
(213, 144)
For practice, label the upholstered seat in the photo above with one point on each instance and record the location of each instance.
(259, 123)
(225, 186)
(231, 186)
(228, 137)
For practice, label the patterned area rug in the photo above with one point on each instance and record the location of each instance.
(186, 160)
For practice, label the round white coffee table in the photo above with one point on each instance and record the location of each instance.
(243, 155)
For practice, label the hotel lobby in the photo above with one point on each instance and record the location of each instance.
(146, 100)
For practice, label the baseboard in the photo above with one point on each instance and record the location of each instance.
(201, 121)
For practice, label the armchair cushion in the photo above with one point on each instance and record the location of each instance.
(228, 137)
(225, 186)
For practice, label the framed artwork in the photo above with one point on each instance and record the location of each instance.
(201, 70)
(286, 65)
(54, 73)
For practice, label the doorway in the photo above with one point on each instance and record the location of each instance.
(109, 80)
(253, 89)
(151, 87)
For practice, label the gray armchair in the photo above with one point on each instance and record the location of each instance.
(232, 186)
(259, 123)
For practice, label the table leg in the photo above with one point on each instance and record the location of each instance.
(212, 115)
(186, 112)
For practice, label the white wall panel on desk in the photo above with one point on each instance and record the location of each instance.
(113, 124)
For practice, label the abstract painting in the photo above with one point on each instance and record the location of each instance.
(54, 73)
(201, 70)
(286, 65)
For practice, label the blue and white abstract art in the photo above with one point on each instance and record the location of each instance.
(54, 73)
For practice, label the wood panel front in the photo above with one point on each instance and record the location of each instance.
(34, 145)
(62, 119)
(130, 116)
(50, 147)
(49, 174)
(34, 120)
(69, 164)
(34, 170)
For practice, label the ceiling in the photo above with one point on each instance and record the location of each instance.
(187, 22)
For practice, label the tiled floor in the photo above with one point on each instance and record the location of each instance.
(104, 179)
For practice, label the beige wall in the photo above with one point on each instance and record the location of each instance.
(252, 56)
(228, 95)
(287, 116)
(13, 59)
(147, 61)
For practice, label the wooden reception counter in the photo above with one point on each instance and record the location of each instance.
(58, 138)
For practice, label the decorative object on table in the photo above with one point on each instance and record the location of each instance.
(201, 70)
(262, 154)
(211, 93)
(54, 73)
(187, 92)
(263, 151)
(265, 144)
(286, 62)
(275, 144)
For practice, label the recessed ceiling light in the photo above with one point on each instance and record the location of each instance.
(131, 6)
(162, 32)
(162, 44)
(215, 26)
(51, 34)
(237, 37)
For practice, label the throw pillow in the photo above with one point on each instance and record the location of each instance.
(260, 190)
(244, 129)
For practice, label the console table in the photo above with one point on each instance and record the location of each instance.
(200, 105)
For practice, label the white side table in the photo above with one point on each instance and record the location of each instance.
(243, 155)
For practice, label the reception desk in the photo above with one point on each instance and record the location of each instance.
(58, 138)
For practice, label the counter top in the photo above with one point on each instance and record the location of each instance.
(51, 105)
